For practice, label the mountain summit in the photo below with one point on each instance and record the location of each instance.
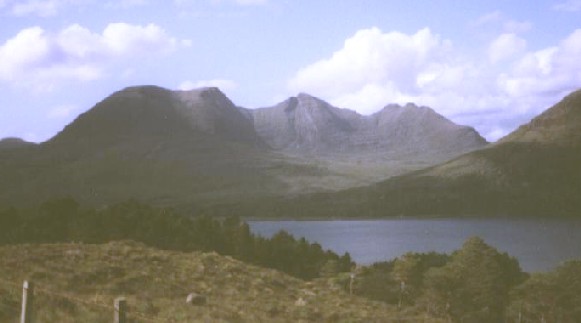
(304, 123)
(154, 113)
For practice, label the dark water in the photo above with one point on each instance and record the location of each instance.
(539, 245)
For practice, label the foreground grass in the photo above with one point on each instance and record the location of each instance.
(78, 283)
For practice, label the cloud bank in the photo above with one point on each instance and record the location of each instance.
(39, 58)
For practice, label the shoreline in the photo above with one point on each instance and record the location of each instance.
(402, 217)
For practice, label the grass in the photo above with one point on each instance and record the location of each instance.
(79, 282)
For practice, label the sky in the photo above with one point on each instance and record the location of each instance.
(492, 65)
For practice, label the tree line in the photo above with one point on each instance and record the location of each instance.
(64, 220)
(476, 283)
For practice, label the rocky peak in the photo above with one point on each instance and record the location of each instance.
(302, 123)
(211, 111)
(307, 123)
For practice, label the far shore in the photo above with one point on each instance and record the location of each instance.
(411, 217)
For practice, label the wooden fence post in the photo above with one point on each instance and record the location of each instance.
(120, 310)
(27, 302)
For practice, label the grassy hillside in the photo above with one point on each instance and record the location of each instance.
(78, 283)
(156, 284)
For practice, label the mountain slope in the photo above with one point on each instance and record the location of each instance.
(536, 170)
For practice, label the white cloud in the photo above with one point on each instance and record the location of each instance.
(568, 5)
(28, 49)
(374, 66)
(224, 85)
(38, 58)
(497, 22)
(495, 93)
(40, 8)
(553, 70)
(505, 47)
(122, 38)
(61, 111)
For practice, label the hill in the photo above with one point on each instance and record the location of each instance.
(536, 170)
(157, 282)
(11, 143)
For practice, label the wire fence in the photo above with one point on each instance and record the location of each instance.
(32, 297)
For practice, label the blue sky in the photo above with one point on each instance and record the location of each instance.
(490, 64)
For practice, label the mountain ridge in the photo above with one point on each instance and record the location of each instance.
(152, 146)
(325, 128)
(533, 171)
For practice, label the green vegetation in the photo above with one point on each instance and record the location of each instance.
(553, 296)
(474, 284)
(78, 283)
(517, 179)
(63, 220)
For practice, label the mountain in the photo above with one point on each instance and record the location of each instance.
(359, 150)
(190, 149)
(534, 171)
(308, 124)
(198, 150)
(157, 113)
